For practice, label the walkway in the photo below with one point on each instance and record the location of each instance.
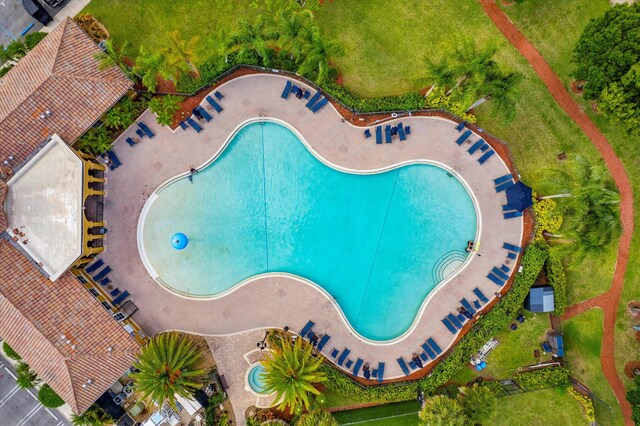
(609, 300)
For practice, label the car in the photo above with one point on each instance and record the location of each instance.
(36, 11)
(52, 3)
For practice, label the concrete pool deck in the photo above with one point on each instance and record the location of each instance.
(282, 301)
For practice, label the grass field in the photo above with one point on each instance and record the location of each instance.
(550, 407)
(583, 341)
(401, 414)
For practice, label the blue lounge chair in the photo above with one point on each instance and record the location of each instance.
(477, 305)
(507, 208)
(500, 273)
(323, 341)
(102, 273)
(334, 352)
(456, 323)
(345, 353)
(294, 89)
(307, 328)
(434, 345)
(286, 90)
(120, 298)
(348, 364)
(503, 179)
(403, 366)
(511, 215)
(504, 186)
(401, 134)
(140, 133)
(505, 268)
(485, 156)
(413, 365)
(315, 98)
(147, 131)
(366, 374)
(512, 255)
(545, 347)
(319, 105)
(378, 135)
(424, 357)
(115, 161)
(380, 372)
(463, 137)
(407, 130)
(310, 335)
(219, 96)
(194, 124)
(184, 125)
(95, 265)
(214, 104)
(475, 146)
(356, 367)
(115, 292)
(428, 350)
(204, 114)
(449, 326)
(306, 95)
(131, 142)
(367, 134)
(511, 247)
(460, 126)
(480, 295)
(462, 318)
(387, 134)
(105, 281)
(465, 303)
(495, 279)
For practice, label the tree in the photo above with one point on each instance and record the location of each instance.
(94, 416)
(620, 101)
(316, 52)
(292, 27)
(26, 377)
(441, 410)
(607, 48)
(589, 204)
(122, 115)
(49, 398)
(95, 141)
(291, 371)
(165, 108)
(478, 402)
(249, 38)
(317, 418)
(170, 364)
(439, 74)
(112, 56)
(15, 50)
(182, 54)
(151, 65)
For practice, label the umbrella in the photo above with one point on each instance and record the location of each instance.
(519, 196)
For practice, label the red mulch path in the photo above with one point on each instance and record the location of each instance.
(609, 300)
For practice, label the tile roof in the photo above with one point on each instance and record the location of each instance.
(34, 315)
(60, 75)
(3, 195)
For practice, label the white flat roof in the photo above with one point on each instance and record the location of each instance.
(45, 206)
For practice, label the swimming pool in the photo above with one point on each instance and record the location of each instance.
(377, 243)
(254, 378)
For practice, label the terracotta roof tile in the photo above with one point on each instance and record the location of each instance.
(34, 315)
(60, 75)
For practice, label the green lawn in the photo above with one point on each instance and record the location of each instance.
(549, 407)
(400, 414)
(583, 340)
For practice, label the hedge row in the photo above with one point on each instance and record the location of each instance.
(557, 279)
(8, 351)
(543, 378)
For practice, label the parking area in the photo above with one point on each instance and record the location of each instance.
(20, 407)
(14, 19)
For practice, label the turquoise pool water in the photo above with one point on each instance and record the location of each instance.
(377, 243)
(255, 379)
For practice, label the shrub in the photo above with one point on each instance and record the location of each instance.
(409, 101)
(165, 108)
(26, 377)
(556, 278)
(8, 351)
(543, 378)
(48, 397)
(92, 27)
(4, 70)
(547, 217)
(585, 402)
(31, 40)
(217, 399)
(438, 99)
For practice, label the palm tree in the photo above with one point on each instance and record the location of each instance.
(440, 410)
(317, 418)
(291, 371)
(182, 53)
(317, 51)
(502, 89)
(251, 37)
(170, 364)
(468, 60)
(113, 56)
(439, 73)
(478, 402)
(291, 29)
(151, 65)
(589, 205)
(94, 416)
(26, 377)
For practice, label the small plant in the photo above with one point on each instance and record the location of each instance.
(122, 115)
(586, 402)
(94, 416)
(26, 377)
(31, 40)
(165, 108)
(8, 351)
(92, 27)
(317, 418)
(48, 397)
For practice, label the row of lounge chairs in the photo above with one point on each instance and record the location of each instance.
(103, 279)
(201, 113)
(114, 161)
(341, 357)
(512, 250)
(503, 182)
(480, 144)
(455, 322)
(499, 276)
(314, 103)
(430, 350)
(389, 133)
(144, 130)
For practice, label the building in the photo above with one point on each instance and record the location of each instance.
(71, 334)
(540, 299)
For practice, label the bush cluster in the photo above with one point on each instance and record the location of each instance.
(543, 378)
(48, 397)
(92, 27)
(406, 102)
(8, 350)
(633, 396)
(585, 402)
(547, 217)
(556, 278)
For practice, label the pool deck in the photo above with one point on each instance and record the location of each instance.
(283, 301)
